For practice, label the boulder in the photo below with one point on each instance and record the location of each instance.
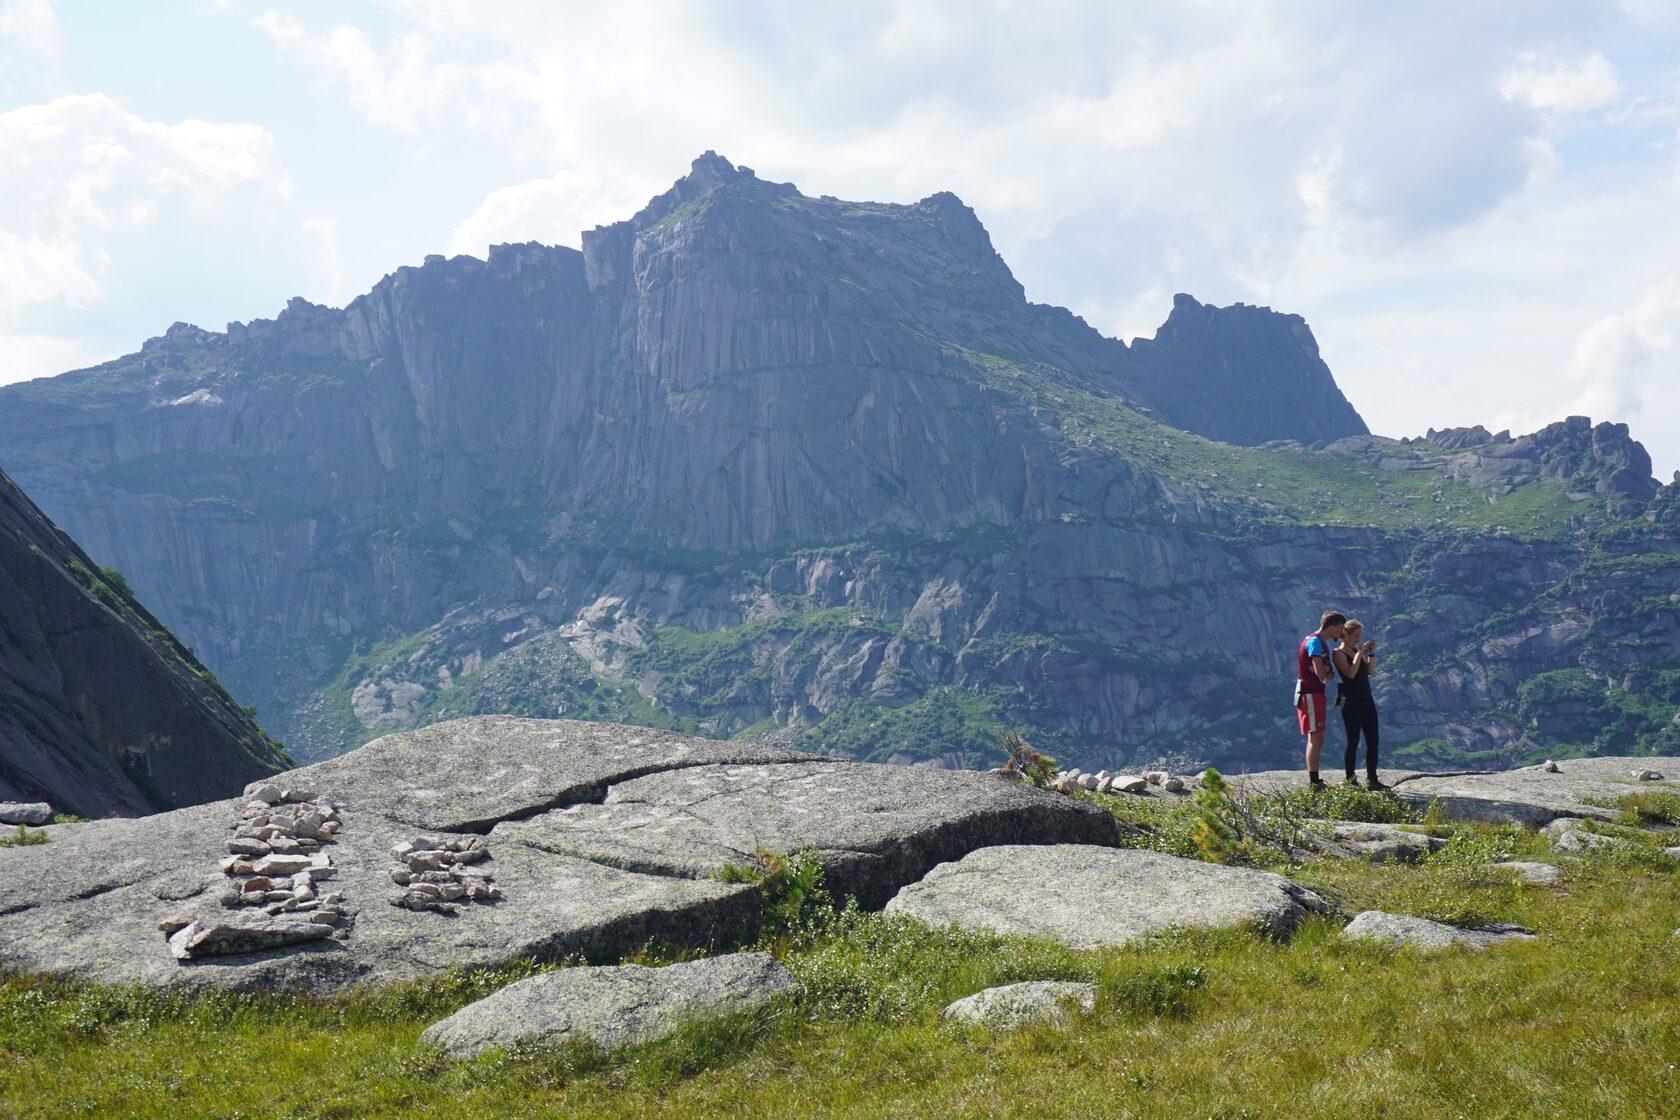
(1379, 843)
(610, 1007)
(1534, 874)
(1421, 933)
(1570, 834)
(602, 838)
(32, 813)
(1014, 1005)
(1130, 783)
(1089, 897)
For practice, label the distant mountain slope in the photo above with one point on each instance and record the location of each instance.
(757, 462)
(101, 710)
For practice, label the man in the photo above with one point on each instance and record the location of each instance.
(1313, 661)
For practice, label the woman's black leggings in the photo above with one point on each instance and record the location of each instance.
(1361, 718)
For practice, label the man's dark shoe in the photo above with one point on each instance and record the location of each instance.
(1317, 783)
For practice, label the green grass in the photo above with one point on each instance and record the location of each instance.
(1584, 1021)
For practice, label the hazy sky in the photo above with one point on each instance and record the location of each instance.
(1475, 205)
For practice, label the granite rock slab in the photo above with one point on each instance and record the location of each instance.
(1090, 897)
(1421, 933)
(610, 1007)
(1529, 795)
(87, 904)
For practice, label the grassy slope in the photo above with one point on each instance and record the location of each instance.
(1584, 1021)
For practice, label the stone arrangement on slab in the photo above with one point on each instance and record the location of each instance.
(436, 872)
(611, 1006)
(603, 838)
(1031, 1001)
(275, 863)
(31, 813)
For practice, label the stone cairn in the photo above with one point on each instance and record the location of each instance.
(435, 872)
(1104, 782)
(276, 862)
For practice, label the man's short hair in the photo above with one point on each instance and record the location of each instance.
(1331, 618)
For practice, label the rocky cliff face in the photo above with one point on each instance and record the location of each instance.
(101, 710)
(753, 461)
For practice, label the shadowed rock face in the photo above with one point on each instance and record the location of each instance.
(1243, 374)
(101, 710)
(577, 874)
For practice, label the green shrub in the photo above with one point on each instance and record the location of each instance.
(795, 895)
(23, 838)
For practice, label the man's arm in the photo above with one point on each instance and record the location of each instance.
(1321, 666)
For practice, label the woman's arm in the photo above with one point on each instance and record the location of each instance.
(1344, 665)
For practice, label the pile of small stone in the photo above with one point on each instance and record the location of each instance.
(435, 872)
(1104, 782)
(276, 862)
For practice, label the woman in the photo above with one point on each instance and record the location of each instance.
(1354, 664)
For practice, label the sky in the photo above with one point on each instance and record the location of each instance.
(1475, 206)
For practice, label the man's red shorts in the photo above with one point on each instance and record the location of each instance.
(1311, 710)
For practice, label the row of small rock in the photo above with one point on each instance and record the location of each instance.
(1104, 782)
(436, 872)
(276, 863)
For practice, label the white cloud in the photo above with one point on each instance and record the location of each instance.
(553, 210)
(26, 356)
(83, 164)
(80, 172)
(1630, 362)
(1559, 86)
(34, 25)
(398, 87)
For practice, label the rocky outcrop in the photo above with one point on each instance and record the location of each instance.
(903, 505)
(101, 709)
(610, 1007)
(577, 868)
(1243, 375)
(1092, 897)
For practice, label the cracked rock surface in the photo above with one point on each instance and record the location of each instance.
(1090, 897)
(611, 1007)
(876, 828)
(605, 879)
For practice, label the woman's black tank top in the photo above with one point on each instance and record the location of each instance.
(1356, 690)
